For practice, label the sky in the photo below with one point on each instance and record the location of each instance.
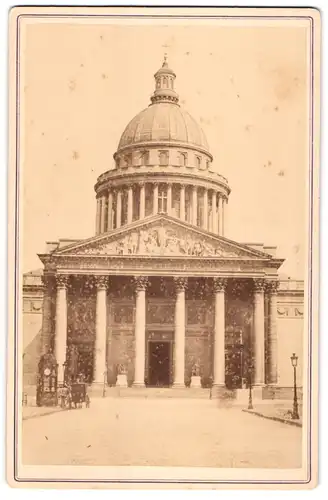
(245, 85)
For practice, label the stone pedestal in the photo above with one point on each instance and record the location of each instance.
(122, 380)
(195, 381)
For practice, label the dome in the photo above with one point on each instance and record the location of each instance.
(160, 122)
(164, 120)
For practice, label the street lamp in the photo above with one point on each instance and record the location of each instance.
(250, 394)
(295, 415)
(65, 381)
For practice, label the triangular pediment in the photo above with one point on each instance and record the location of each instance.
(162, 236)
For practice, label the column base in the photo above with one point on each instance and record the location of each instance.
(218, 384)
(178, 385)
(97, 389)
(219, 391)
(138, 384)
(258, 391)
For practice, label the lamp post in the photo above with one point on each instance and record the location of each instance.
(295, 415)
(250, 394)
(65, 381)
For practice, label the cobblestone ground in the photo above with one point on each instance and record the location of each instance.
(160, 432)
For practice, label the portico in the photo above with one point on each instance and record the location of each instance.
(111, 298)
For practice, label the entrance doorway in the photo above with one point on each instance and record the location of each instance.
(159, 362)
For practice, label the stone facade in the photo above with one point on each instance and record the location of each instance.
(160, 315)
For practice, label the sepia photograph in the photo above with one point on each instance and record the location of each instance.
(163, 216)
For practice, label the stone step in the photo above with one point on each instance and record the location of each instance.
(154, 392)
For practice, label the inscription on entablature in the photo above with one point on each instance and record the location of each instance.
(175, 266)
(290, 311)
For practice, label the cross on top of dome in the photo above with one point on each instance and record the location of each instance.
(164, 85)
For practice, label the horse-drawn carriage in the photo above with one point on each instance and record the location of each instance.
(74, 395)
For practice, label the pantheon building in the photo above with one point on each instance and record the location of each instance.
(158, 291)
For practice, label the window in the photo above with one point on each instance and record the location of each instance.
(165, 84)
(144, 158)
(183, 159)
(198, 161)
(162, 201)
(163, 157)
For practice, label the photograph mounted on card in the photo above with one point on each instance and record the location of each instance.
(163, 235)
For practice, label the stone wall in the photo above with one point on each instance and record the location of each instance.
(160, 325)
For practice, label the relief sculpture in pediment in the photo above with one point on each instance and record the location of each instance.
(159, 241)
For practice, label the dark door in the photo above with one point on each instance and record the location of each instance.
(159, 364)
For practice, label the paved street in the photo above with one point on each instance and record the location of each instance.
(162, 432)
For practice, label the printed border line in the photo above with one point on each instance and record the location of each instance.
(16, 225)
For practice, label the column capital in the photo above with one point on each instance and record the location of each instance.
(101, 282)
(259, 285)
(155, 183)
(141, 282)
(220, 284)
(271, 287)
(62, 280)
(180, 282)
(141, 184)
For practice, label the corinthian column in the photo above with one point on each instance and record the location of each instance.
(194, 205)
(155, 199)
(101, 316)
(103, 212)
(259, 347)
(46, 340)
(130, 204)
(272, 288)
(214, 213)
(119, 208)
(179, 332)
(61, 324)
(205, 201)
(182, 202)
(98, 216)
(141, 283)
(169, 199)
(220, 285)
(110, 211)
(142, 201)
(221, 215)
